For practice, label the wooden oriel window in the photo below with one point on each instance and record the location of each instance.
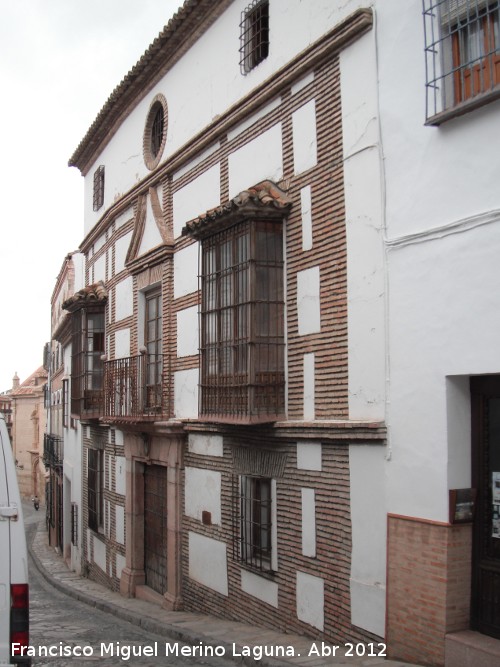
(87, 366)
(254, 35)
(98, 194)
(242, 323)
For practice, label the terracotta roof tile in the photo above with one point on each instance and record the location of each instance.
(95, 293)
(32, 384)
(265, 197)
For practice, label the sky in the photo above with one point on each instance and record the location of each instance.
(59, 62)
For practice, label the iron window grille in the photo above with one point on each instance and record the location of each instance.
(65, 405)
(98, 198)
(254, 35)
(53, 451)
(74, 524)
(252, 543)
(242, 323)
(155, 132)
(95, 487)
(462, 54)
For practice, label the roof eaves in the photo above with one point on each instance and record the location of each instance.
(162, 53)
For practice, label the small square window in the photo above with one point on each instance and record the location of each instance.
(254, 35)
(98, 199)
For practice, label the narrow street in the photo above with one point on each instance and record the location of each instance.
(64, 625)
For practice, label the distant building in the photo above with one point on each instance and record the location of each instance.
(28, 427)
(62, 441)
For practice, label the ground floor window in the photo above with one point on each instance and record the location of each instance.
(254, 529)
(95, 482)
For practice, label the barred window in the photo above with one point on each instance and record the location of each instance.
(87, 366)
(462, 55)
(98, 199)
(65, 405)
(253, 543)
(254, 35)
(95, 486)
(74, 524)
(155, 132)
(242, 323)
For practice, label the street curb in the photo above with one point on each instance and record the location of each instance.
(163, 628)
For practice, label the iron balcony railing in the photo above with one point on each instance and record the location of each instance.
(53, 450)
(136, 388)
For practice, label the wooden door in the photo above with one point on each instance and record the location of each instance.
(155, 527)
(485, 608)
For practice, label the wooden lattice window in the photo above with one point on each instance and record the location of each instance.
(98, 198)
(242, 323)
(87, 365)
(254, 35)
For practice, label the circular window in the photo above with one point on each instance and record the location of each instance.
(155, 132)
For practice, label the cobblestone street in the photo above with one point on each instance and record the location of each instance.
(61, 623)
(76, 621)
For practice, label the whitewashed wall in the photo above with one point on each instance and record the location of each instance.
(294, 25)
(363, 175)
(443, 283)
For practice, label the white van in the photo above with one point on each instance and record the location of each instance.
(14, 593)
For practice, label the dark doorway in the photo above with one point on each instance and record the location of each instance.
(485, 408)
(155, 527)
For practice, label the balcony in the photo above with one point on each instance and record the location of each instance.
(53, 451)
(136, 389)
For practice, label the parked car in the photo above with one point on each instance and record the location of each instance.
(14, 588)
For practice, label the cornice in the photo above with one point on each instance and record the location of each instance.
(347, 432)
(152, 258)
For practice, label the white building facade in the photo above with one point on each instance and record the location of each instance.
(63, 453)
(282, 283)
